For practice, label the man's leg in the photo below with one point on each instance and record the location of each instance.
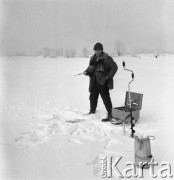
(105, 95)
(93, 99)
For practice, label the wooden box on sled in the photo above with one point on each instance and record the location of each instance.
(123, 112)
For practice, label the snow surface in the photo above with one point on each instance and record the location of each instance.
(45, 133)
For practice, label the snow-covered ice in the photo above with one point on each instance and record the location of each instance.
(45, 133)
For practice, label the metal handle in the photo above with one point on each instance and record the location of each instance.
(132, 75)
(152, 137)
(123, 63)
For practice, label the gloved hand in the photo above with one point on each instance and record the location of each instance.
(91, 68)
(89, 71)
(84, 73)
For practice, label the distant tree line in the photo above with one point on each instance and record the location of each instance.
(60, 52)
(120, 49)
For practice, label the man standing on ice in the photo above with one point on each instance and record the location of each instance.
(101, 71)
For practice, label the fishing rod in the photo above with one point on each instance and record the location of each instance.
(78, 74)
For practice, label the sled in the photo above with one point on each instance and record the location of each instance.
(122, 114)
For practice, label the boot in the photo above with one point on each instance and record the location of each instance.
(109, 118)
(90, 112)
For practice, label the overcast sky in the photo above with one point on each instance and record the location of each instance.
(34, 24)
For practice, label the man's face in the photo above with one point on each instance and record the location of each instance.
(98, 52)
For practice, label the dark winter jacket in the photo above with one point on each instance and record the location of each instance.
(102, 69)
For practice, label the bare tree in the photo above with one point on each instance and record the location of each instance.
(53, 53)
(69, 53)
(66, 53)
(85, 52)
(120, 48)
(46, 52)
(73, 53)
(60, 52)
(136, 52)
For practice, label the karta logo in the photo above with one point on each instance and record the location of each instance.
(109, 168)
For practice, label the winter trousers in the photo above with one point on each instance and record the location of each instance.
(103, 90)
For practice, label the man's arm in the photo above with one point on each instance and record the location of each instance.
(85, 72)
(89, 68)
(113, 68)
